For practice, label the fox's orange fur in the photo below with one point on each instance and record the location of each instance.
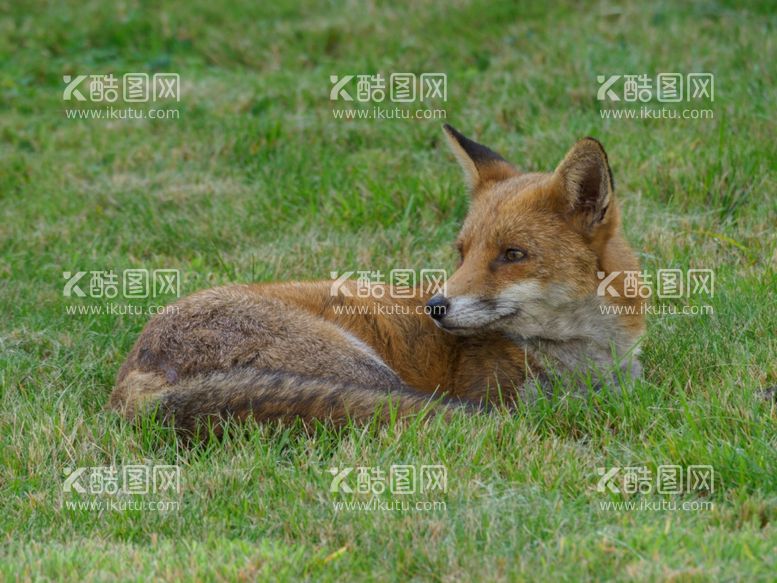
(521, 309)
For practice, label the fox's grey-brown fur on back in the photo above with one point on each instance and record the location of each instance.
(232, 352)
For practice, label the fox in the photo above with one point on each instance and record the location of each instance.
(522, 313)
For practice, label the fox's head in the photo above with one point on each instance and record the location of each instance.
(531, 246)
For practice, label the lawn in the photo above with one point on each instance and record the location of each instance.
(255, 178)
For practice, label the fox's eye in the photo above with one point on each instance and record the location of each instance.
(514, 255)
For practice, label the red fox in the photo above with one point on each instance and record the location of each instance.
(521, 312)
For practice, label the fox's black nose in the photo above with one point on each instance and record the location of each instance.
(437, 307)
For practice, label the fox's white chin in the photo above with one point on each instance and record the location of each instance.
(469, 316)
(527, 309)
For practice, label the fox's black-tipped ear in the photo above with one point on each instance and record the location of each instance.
(480, 164)
(585, 179)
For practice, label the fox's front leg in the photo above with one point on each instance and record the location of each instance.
(577, 367)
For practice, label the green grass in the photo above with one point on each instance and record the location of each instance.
(257, 181)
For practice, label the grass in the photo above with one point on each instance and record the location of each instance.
(257, 181)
